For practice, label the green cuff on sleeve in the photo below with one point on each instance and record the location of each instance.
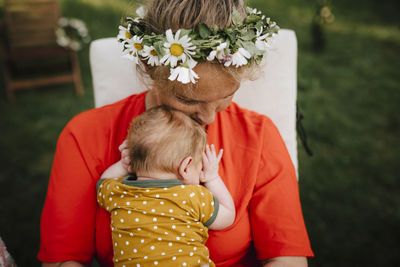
(99, 183)
(215, 213)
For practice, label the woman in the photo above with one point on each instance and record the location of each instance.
(256, 167)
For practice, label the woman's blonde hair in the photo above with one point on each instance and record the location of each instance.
(162, 15)
(160, 138)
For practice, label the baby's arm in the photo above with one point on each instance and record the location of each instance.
(213, 182)
(121, 167)
(114, 171)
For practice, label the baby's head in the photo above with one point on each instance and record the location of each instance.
(164, 140)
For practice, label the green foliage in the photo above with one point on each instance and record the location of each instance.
(236, 17)
(239, 35)
(204, 31)
(348, 94)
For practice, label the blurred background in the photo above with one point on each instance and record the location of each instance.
(348, 92)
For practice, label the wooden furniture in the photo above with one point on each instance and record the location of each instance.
(30, 54)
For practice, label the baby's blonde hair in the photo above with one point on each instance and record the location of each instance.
(160, 138)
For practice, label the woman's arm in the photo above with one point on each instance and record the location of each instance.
(277, 222)
(286, 262)
(69, 213)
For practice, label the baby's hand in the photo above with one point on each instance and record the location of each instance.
(210, 164)
(125, 159)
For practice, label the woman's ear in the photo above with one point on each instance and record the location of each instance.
(184, 170)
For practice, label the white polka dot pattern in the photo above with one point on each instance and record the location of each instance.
(158, 226)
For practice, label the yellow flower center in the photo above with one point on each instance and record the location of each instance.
(138, 46)
(153, 52)
(176, 50)
(128, 35)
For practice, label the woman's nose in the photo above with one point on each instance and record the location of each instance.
(206, 115)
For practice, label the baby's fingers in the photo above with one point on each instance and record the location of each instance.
(213, 149)
(205, 161)
(123, 146)
(208, 151)
(221, 151)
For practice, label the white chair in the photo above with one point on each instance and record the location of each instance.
(274, 94)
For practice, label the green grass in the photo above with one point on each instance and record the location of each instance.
(349, 95)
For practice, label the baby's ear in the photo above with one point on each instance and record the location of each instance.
(183, 169)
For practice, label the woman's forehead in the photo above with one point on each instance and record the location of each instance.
(213, 84)
(206, 94)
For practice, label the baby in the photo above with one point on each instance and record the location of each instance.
(160, 214)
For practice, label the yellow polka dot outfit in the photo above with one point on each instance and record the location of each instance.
(158, 222)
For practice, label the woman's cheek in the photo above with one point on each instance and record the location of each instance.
(224, 105)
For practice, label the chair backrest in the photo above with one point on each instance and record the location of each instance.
(273, 94)
(31, 23)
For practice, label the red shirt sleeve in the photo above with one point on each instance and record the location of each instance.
(68, 218)
(277, 222)
(86, 147)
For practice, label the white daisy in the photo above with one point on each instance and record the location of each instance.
(62, 39)
(150, 54)
(79, 25)
(218, 52)
(263, 42)
(177, 48)
(134, 47)
(141, 12)
(184, 73)
(75, 45)
(239, 58)
(124, 35)
(255, 11)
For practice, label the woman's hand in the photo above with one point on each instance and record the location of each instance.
(210, 164)
(125, 159)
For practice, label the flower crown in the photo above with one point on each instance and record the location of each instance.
(245, 41)
(71, 33)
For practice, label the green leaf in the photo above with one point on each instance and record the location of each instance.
(159, 47)
(204, 31)
(215, 28)
(253, 18)
(248, 35)
(251, 48)
(136, 30)
(185, 32)
(249, 10)
(232, 37)
(236, 17)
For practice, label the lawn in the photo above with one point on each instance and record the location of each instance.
(349, 95)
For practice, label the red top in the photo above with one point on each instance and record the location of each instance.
(256, 169)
